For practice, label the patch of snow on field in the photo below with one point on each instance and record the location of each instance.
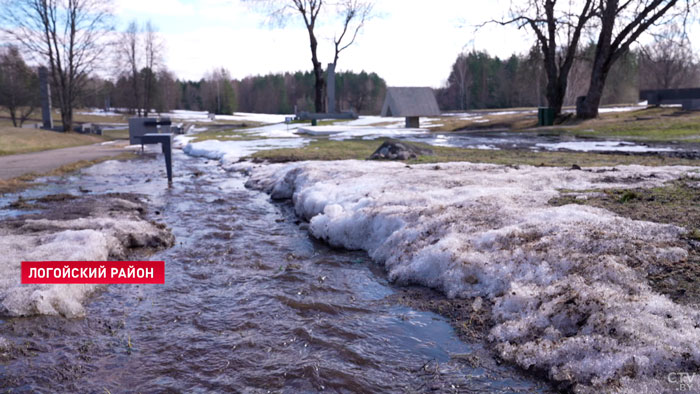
(368, 133)
(592, 146)
(278, 130)
(231, 151)
(563, 295)
(91, 239)
(373, 120)
(604, 110)
(343, 132)
(179, 141)
(203, 116)
(99, 112)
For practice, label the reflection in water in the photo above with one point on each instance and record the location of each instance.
(250, 303)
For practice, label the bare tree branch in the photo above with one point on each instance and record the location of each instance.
(66, 35)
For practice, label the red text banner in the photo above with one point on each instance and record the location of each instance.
(93, 272)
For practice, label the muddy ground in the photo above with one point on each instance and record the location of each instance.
(675, 203)
(63, 207)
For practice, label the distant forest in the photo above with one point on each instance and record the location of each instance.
(217, 92)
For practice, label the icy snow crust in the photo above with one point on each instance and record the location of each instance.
(94, 238)
(563, 296)
(231, 151)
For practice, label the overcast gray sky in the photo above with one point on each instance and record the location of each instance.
(410, 42)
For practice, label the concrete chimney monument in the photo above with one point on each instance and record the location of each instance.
(45, 93)
(330, 88)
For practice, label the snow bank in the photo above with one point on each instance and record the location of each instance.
(342, 132)
(565, 298)
(596, 146)
(230, 151)
(108, 233)
(370, 120)
(203, 116)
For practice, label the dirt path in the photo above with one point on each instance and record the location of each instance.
(12, 166)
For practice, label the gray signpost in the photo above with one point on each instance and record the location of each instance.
(146, 131)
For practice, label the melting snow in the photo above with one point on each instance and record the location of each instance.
(373, 120)
(203, 116)
(564, 296)
(231, 151)
(588, 146)
(337, 132)
(93, 238)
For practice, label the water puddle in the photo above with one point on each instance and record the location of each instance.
(542, 142)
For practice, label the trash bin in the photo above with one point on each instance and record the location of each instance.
(545, 116)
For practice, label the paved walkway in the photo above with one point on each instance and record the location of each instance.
(12, 166)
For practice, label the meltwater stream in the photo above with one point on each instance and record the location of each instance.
(251, 304)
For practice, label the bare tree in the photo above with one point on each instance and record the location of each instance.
(152, 52)
(620, 24)
(217, 92)
(18, 86)
(558, 30)
(169, 92)
(461, 72)
(354, 14)
(668, 62)
(130, 60)
(68, 35)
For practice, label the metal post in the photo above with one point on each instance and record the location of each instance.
(167, 152)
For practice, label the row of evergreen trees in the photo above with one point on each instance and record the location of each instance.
(218, 93)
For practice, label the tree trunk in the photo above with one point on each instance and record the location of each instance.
(319, 85)
(67, 118)
(589, 107)
(13, 116)
(555, 92)
(320, 82)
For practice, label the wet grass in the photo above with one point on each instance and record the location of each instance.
(677, 203)
(22, 182)
(326, 149)
(115, 134)
(321, 149)
(221, 124)
(322, 122)
(660, 124)
(515, 122)
(77, 117)
(16, 140)
(651, 124)
(226, 135)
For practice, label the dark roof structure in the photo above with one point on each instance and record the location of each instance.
(410, 102)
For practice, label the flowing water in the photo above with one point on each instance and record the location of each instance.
(251, 304)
